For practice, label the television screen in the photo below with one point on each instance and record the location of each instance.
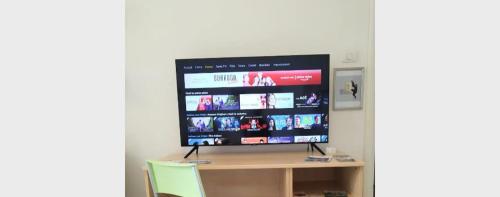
(253, 100)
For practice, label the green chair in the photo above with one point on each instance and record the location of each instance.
(181, 179)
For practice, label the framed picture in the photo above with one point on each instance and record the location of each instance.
(348, 88)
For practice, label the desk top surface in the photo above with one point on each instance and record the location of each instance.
(264, 160)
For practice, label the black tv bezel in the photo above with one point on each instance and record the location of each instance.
(218, 59)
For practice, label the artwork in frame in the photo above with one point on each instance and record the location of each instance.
(348, 88)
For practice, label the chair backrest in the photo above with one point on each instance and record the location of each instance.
(181, 179)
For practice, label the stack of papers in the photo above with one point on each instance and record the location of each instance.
(325, 158)
(343, 158)
(198, 161)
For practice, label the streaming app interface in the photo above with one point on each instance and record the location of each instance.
(253, 100)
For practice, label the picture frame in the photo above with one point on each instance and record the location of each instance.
(348, 88)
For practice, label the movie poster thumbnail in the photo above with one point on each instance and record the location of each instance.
(253, 101)
(308, 121)
(256, 123)
(281, 140)
(254, 140)
(324, 138)
(225, 102)
(199, 103)
(222, 141)
(279, 100)
(201, 141)
(200, 124)
(229, 123)
(280, 122)
(311, 99)
(307, 139)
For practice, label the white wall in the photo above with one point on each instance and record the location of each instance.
(159, 31)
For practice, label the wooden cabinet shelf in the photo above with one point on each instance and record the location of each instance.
(315, 181)
(273, 174)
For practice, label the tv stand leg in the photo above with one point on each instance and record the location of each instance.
(314, 146)
(196, 147)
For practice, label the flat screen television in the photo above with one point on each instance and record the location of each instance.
(253, 100)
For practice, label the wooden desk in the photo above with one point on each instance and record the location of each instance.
(272, 174)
